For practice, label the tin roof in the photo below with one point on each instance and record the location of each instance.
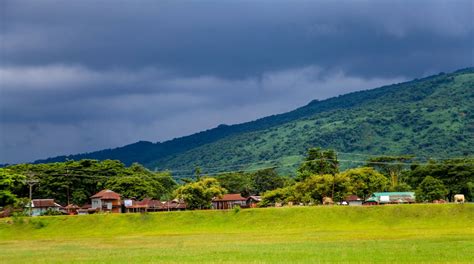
(393, 197)
(378, 194)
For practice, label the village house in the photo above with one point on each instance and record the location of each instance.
(71, 209)
(353, 200)
(150, 205)
(40, 206)
(380, 198)
(229, 201)
(253, 200)
(106, 201)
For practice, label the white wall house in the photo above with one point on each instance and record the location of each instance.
(40, 206)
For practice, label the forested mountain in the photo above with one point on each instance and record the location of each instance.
(429, 117)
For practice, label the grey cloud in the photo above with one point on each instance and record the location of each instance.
(84, 75)
(241, 38)
(40, 123)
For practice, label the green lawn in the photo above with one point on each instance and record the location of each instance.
(390, 234)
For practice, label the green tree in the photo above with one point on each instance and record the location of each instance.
(197, 173)
(237, 182)
(9, 182)
(318, 161)
(327, 185)
(456, 175)
(280, 195)
(266, 179)
(199, 194)
(390, 166)
(166, 183)
(430, 189)
(75, 181)
(366, 180)
(132, 186)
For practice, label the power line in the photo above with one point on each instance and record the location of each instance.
(211, 172)
(340, 160)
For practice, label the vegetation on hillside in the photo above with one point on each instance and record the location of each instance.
(430, 117)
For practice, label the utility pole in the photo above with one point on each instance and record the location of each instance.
(31, 181)
(67, 180)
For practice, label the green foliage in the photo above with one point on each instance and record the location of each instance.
(10, 182)
(320, 162)
(366, 180)
(199, 194)
(38, 223)
(142, 183)
(470, 190)
(251, 183)
(392, 167)
(312, 190)
(430, 189)
(236, 209)
(401, 187)
(134, 186)
(456, 175)
(267, 179)
(317, 187)
(75, 181)
(50, 212)
(237, 182)
(279, 195)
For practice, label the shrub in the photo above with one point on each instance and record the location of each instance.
(430, 189)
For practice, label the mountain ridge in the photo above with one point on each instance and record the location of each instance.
(158, 155)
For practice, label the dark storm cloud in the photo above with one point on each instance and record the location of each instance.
(84, 75)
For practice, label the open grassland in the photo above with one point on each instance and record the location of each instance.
(383, 234)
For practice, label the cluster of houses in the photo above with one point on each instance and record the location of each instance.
(111, 202)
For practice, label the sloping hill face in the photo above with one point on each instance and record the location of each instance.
(429, 117)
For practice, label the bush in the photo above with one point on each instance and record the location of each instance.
(430, 189)
(51, 212)
(236, 209)
(37, 223)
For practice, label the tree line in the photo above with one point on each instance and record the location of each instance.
(318, 176)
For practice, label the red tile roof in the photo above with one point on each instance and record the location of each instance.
(230, 197)
(106, 195)
(44, 203)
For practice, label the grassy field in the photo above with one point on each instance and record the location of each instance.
(384, 234)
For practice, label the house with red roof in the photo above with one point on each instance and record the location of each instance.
(106, 201)
(229, 201)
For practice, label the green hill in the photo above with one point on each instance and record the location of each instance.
(422, 233)
(429, 117)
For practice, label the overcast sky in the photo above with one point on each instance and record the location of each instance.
(79, 76)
